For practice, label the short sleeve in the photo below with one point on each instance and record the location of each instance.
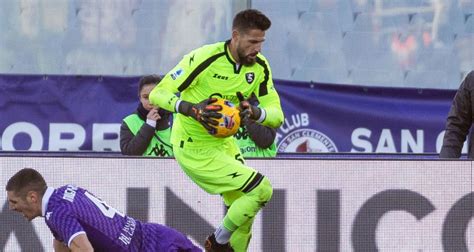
(63, 226)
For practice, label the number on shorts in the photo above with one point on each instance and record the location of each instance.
(238, 157)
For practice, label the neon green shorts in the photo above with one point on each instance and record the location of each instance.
(218, 169)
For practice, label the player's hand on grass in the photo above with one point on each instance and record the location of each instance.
(247, 110)
(205, 112)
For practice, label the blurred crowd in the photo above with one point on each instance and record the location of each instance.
(402, 43)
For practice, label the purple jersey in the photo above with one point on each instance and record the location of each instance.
(72, 210)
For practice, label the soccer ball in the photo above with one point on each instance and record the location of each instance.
(229, 123)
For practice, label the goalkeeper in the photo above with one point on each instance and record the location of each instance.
(215, 164)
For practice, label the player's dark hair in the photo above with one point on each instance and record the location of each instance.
(26, 180)
(251, 19)
(148, 79)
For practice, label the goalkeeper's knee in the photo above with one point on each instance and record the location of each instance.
(263, 192)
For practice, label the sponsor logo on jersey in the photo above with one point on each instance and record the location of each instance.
(176, 74)
(249, 77)
(70, 193)
(306, 140)
(220, 77)
(48, 215)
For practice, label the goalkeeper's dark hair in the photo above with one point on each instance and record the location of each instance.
(148, 79)
(26, 180)
(251, 19)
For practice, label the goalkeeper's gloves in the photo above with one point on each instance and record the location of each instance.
(204, 112)
(247, 110)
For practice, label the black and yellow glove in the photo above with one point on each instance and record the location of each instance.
(247, 110)
(204, 112)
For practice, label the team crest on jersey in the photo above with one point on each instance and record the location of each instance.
(249, 77)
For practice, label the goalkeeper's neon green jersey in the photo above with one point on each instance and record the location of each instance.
(211, 71)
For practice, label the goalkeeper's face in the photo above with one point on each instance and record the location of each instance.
(248, 45)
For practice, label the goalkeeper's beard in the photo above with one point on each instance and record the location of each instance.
(245, 59)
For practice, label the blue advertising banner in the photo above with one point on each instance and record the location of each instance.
(341, 118)
(71, 113)
(84, 113)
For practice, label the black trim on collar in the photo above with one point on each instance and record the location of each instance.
(263, 90)
(198, 70)
(227, 54)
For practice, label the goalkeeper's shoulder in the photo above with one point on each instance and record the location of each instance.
(199, 55)
(262, 57)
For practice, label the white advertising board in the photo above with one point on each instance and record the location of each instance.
(318, 205)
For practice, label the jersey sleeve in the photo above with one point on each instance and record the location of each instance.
(269, 101)
(175, 81)
(164, 94)
(64, 226)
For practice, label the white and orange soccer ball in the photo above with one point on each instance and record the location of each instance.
(229, 123)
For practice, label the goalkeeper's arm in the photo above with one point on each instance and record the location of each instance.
(262, 136)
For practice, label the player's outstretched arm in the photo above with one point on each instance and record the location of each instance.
(81, 243)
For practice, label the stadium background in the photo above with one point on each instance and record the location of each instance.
(398, 43)
(386, 70)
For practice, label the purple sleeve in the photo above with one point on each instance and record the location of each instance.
(64, 226)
